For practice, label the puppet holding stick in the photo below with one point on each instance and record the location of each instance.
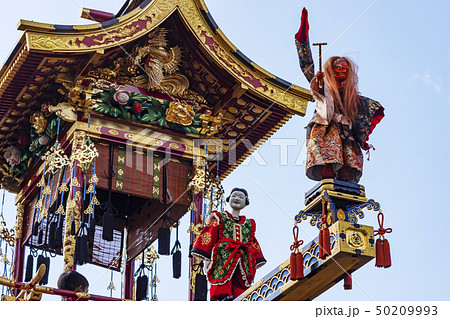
(343, 119)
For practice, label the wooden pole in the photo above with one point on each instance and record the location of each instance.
(129, 280)
(320, 54)
(196, 218)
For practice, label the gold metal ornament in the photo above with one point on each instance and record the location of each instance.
(5, 259)
(151, 255)
(60, 210)
(63, 187)
(19, 221)
(94, 200)
(195, 229)
(55, 158)
(79, 97)
(84, 155)
(8, 236)
(38, 121)
(84, 151)
(211, 125)
(111, 286)
(89, 210)
(180, 113)
(47, 190)
(340, 214)
(198, 181)
(90, 189)
(38, 204)
(69, 251)
(41, 183)
(154, 281)
(192, 206)
(64, 111)
(356, 239)
(74, 183)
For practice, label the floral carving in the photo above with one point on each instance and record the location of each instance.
(180, 113)
(121, 97)
(38, 121)
(12, 155)
(140, 108)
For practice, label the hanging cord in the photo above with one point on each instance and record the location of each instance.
(74, 177)
(5, 269)
(177, 245)
(9, 291)
(35, 225)
(381, 230)
(297, 243)
(191, 233)
(154, 282)
(296, 258)
(111, 286)
(206, 170)
(382, 247)
(44, 203)
(2, 220)
(151, 285)
(3, 205)
(92, 216)
(62, 198)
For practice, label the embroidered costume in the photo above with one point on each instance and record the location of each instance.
(332, 138)
(233, 251)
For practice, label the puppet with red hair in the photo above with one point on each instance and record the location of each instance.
(343, 119)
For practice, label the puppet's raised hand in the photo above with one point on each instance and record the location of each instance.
(320, 76)
(317, 82)
(302, 34)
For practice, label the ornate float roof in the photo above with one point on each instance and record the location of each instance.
(257, 102)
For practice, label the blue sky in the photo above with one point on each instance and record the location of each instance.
(403, 64)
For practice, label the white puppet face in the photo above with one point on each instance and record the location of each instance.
(237, 200)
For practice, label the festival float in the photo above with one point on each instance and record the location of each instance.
(111, 132)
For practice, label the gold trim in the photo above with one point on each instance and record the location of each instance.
(318, 199)
(43, 37)
(151, 140)
(19, 220)
(12, 70)
(344, 257)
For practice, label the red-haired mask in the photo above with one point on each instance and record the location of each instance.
(340, 68)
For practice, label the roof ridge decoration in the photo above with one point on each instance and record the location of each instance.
(148, 16)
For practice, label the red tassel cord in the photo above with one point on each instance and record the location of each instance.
(386, 253)
(382, 248)
(379, 256)
(296, 259)
(324, 236)
(321, 244)
(348, 282)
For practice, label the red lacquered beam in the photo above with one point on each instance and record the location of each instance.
(55, 291)
(96, 15)
(51, 291)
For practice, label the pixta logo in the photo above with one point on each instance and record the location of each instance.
(145, 143)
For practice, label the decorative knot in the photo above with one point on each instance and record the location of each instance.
(381, 230)
(297, 243)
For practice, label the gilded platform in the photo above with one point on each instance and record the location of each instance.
(352, 246)
(345, 202)
(337, 186)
